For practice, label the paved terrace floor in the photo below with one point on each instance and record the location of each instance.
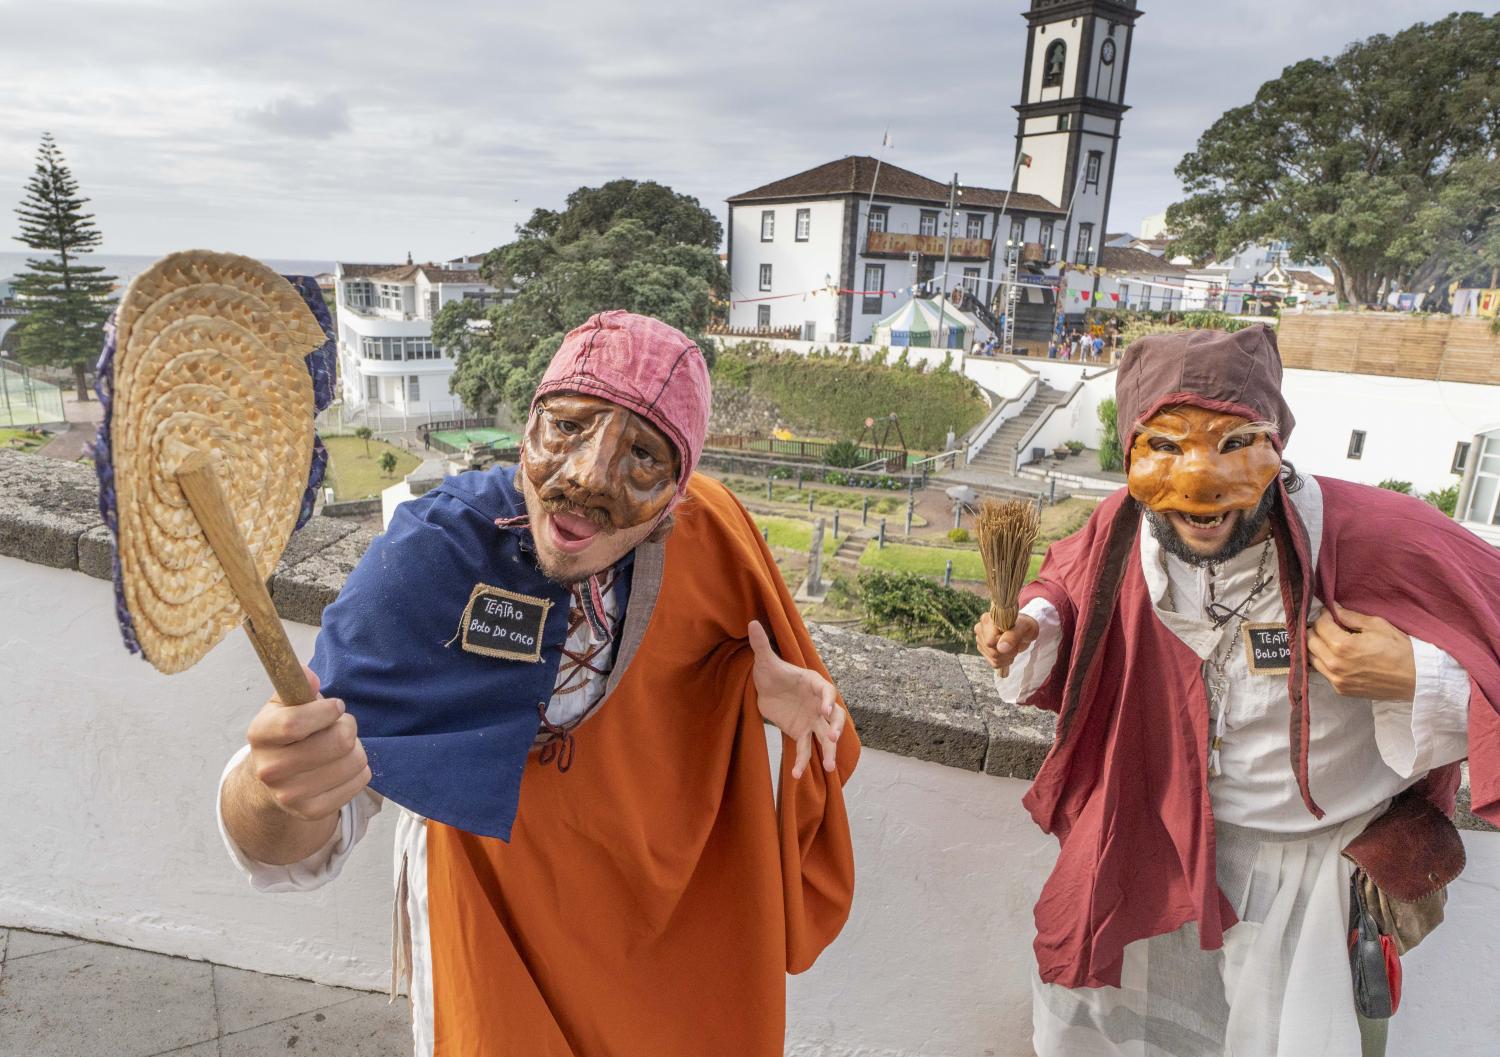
(65, 997)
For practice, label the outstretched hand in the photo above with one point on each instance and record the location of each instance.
(798, 702)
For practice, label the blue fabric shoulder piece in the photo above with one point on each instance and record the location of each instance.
(447, 729)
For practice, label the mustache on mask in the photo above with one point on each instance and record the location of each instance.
(565, 503)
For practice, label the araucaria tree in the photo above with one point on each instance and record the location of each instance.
(633, 245)
(1382, 162)
(66, 301)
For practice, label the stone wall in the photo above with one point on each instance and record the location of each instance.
(915, 702)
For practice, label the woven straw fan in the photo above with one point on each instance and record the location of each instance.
(211, 434)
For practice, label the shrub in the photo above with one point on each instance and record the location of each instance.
(1111, 455)
(1390, 484)
(959, 535)
(915, 608)
(833, 397)
(1445, 499)
(843, 453)
(1074, 445)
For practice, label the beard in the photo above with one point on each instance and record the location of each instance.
(1246, 528)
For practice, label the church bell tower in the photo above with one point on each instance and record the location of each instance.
(1072, 103)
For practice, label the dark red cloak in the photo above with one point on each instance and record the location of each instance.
(1125, 787)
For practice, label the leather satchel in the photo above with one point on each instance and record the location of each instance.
(1406, 858)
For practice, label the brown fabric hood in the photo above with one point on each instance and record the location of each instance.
(1237, 373)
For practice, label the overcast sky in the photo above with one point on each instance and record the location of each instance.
(361, 131)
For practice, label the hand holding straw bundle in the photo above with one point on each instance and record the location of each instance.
(1007, 529)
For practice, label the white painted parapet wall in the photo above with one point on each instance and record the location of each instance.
(108, 772)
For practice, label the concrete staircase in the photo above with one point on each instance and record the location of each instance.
(853, 548)
(998, 456)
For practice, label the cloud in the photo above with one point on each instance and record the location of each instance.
(363, 136)
(321, 118)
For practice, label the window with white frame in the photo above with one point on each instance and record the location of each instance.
(1045, 238)
(358, 294)
(971, 281)
(974, 226)
(765, 277)
(767, 225)
(1483, 506)
(763, 316)
(879, 219)
(1017, 232)
(1092, 167)
(372, 389)
(1085, 244)
(927, 224)
(390, 297)
(434, 303)
(413, 388)
(804, 225)
(874, 283)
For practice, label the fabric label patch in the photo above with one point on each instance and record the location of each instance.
(501, 623)
(1268, 649)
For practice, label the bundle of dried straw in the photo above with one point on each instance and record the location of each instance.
(1007, 529)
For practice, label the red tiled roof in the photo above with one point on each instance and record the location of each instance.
(1138, 262)
(856, 175)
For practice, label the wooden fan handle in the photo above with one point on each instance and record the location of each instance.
(200, 483)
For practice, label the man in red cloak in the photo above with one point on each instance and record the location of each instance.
(1276, 679)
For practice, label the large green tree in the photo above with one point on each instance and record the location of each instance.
(633, 245)
(66, 301)
(1380, 161)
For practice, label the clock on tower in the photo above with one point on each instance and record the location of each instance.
(1068, 120)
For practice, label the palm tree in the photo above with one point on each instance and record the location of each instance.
(364, 433)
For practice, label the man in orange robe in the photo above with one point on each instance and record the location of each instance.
(560, 673)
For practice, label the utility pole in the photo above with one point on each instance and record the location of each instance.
(947, 253)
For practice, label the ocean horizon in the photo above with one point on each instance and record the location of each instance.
(126, 266)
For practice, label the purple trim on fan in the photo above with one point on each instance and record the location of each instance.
(104, 466)
(321, 365)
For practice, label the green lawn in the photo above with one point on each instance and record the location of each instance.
(795, 535)
(20, 440)
(930, 561)
(355, 475)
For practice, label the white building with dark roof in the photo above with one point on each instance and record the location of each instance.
(813, 252)
(387, 361)
(824, 254)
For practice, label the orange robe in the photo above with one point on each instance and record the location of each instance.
(653, 897)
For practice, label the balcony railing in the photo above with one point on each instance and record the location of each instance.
(891, 244)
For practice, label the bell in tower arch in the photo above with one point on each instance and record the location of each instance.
(1052, 71)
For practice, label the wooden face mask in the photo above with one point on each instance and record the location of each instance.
(1202, 471)
(591, 460)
